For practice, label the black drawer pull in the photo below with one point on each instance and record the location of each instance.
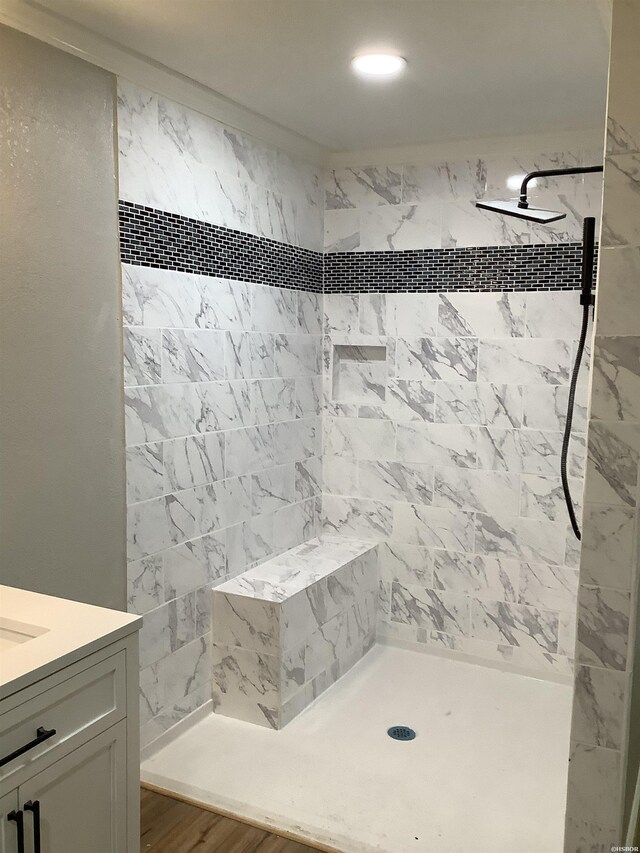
(42, 734)
(18, 817)
(34, 806)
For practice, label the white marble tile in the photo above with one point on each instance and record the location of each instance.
(556, 315)
(297, 355)
(360, 438)
(249, 355)
(608, 545)
(621, 205)
(408, 564)
(144, 472)
(274, 399)
(245, 685)
(145, 584)
(194, 564)
(153, 297)
(158, 412)
(521, 538)
(341, 313)
(422, 183)
(223, 304)
(310, 315)
(362, 187)
(543, 497)
(274, 215)
(274, 309)
(193, 461)
(545, 407)
(437, 358)
(139, 160)
(154, 636)
(598, 707)
(410, 399)
(340, 475)
(400, 227)
(481, 577)
(618, 297)
(478, 403)
(514, 625)
(524, 361)
(395, 481)
(603, 627)
(548, 587)
(482, 315)
(147, 528)
(141, 356)
(593, 784)
(482, 491)
(308, 396)
(357, 517)
(431, 609)
(341, 230)
(612, 465)
(272, 489)
(437, 444)
(223, 405)
(523, 451)
(616, 378)
(433, 527)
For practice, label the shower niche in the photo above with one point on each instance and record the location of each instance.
(359, 374)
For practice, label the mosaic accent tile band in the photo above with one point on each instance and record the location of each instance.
(546, 266)
(157, 238)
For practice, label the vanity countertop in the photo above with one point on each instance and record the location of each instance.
(40, 634)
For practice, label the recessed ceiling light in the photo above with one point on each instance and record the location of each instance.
(515, 182)
(378, 64)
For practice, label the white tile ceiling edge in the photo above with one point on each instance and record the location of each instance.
(66, 35)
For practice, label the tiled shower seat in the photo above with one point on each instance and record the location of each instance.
(287, 629)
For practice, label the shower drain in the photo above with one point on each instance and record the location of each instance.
(401, 733)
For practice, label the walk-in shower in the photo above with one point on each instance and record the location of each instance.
(522, 210)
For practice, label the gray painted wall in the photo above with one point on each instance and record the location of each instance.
(62, 492)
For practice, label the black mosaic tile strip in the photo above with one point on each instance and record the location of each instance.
(553, 266)
(156, 238)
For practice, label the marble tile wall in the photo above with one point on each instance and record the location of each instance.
(222, 391)
(601, 785)
(222, 407)
(175, 159)
(407, 206)
(447, 448)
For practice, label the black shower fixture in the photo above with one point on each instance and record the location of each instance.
(521, 210)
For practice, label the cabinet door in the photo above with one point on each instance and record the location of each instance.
(82, 798)
(8, 829)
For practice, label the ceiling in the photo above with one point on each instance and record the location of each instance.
(475, 67)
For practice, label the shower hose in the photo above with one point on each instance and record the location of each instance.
(569, 421)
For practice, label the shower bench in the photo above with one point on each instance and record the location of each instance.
(288, 628)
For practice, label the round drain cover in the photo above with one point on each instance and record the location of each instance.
(401, 733)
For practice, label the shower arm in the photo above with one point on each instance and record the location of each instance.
(552, 173)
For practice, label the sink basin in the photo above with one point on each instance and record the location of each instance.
(14, 633)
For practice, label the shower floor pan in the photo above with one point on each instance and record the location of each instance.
(485, 773)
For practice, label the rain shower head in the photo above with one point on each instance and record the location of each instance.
(520, 208)
(522, 211)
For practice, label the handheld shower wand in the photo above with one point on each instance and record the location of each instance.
(522, 210)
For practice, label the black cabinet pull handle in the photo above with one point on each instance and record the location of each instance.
(42, 734)
(18, 817)
(34, 807)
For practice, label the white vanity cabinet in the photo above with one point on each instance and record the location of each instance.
(69, 749)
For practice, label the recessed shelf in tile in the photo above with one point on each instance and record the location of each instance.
(359, 374)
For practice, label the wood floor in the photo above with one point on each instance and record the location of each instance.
(171, 826)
